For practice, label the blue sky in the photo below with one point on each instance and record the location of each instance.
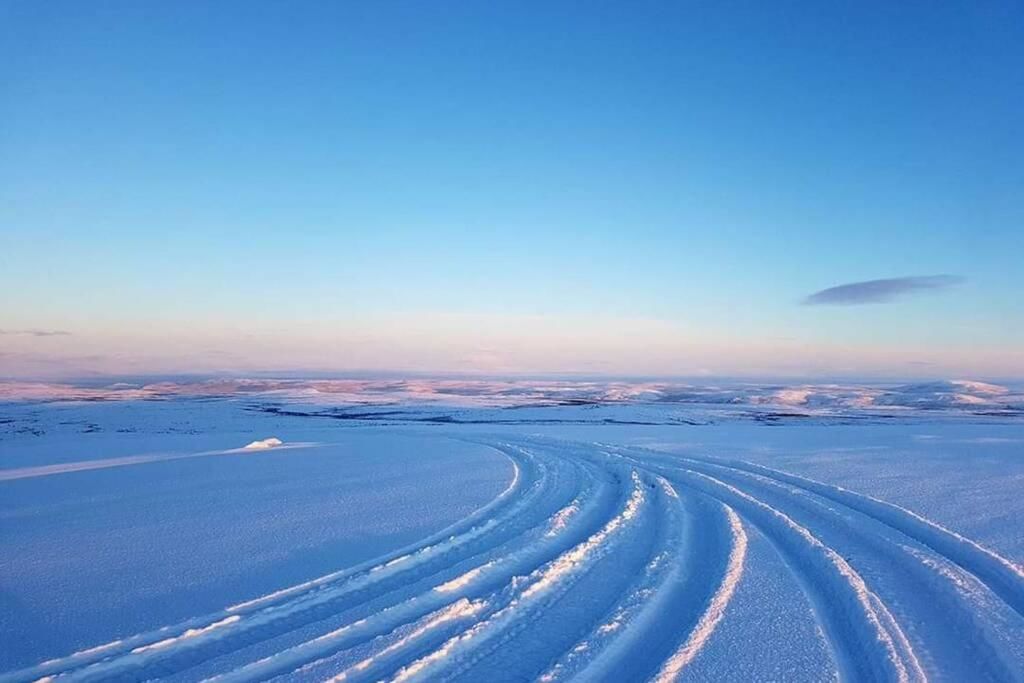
(510, 187)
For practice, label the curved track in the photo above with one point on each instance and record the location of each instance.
(607, 563)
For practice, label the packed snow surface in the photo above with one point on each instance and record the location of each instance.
(550, 532)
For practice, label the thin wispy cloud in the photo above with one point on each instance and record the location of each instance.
(879, 291)
(36, 333)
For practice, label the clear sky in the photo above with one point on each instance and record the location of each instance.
(624, 188)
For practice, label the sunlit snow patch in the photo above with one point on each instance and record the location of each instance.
(263, 444)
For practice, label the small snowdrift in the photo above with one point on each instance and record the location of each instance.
(263, 444)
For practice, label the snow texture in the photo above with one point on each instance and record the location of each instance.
(645, 533)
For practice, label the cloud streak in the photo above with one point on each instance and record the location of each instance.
(879, 291)
(36, 333)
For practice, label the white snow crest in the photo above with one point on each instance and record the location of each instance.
(460, 609)
(465, 579)
(190, 633)
(263, 444)
(561, 518)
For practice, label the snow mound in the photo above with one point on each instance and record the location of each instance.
(264, 444)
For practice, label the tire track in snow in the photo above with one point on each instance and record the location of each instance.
(370, 668)
(855, 621)
(490, 586)
(700, 635)
(693, 571)
(473, 583)
(1003, 577)
(513, 603)
(542, 586)
(952, 632)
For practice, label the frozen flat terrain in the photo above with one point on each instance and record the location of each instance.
(511, 531)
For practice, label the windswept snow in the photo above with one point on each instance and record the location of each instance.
(639, 539)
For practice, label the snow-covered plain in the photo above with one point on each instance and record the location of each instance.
(468, 530)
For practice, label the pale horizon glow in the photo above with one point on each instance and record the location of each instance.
(485, 345)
